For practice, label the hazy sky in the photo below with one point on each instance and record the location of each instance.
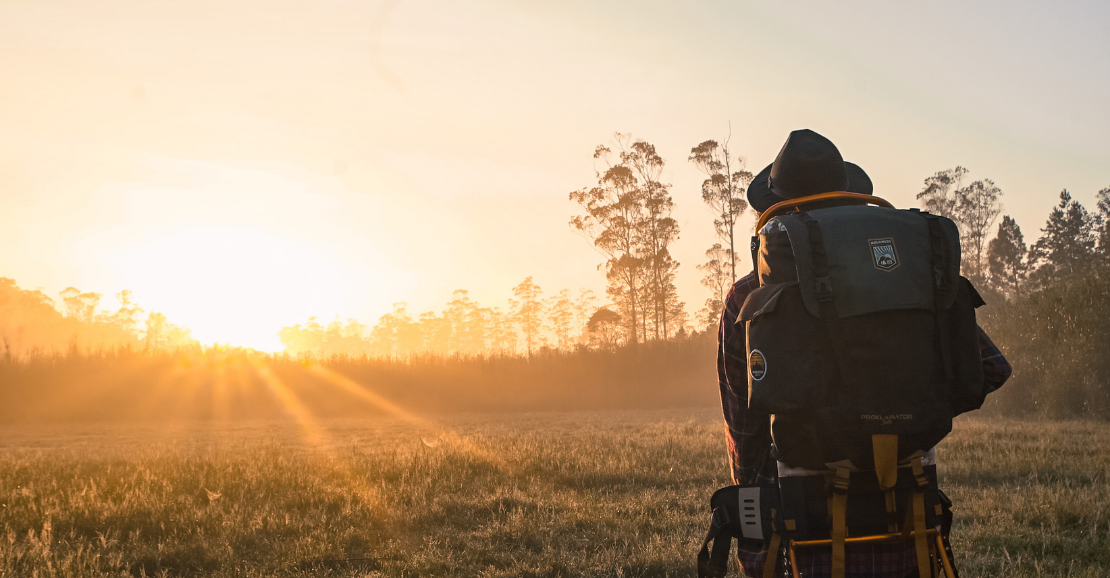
(242, 165)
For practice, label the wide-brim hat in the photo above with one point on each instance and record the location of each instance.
(808, 164)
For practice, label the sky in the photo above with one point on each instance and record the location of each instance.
(242, 166)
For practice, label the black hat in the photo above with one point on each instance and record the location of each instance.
(808, 164)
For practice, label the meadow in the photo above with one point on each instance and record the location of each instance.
(605, 493)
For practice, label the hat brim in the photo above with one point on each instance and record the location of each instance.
(761, 198)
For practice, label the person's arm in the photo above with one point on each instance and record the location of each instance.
(749, 435)
(996, 370)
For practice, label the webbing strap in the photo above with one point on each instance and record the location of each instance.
(771, 562)
(921, 543)
(715, 565)
(891, 510)
(839, 520)
(755, 253)
(940, 288)
(885, 451)
(825, 302)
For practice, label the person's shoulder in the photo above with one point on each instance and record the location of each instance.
(740, 291)
(745, 285)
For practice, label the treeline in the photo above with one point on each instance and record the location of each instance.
(1049, 305)
(1048, 302)
(31, 323)
(529, 324)
(219, 383)
(627, 217)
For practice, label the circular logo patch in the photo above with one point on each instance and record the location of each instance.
(757, 365)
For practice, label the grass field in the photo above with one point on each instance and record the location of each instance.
(580, 494)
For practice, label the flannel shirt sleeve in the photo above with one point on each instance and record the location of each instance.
(748, 434)
(996, 370)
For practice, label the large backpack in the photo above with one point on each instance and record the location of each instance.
(862, 326)
(862, 345)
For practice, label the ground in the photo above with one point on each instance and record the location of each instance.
(558, 494)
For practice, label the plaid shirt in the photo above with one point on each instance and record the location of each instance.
(749, 448)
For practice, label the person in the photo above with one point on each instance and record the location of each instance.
(808, 164)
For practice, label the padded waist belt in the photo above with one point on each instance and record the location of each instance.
(741, 512)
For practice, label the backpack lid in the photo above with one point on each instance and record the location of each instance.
(878, 259)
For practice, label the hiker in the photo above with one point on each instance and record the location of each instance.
(807, 165)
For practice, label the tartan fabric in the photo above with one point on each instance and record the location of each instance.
(749, 449)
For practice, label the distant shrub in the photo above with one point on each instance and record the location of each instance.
(1058, 341)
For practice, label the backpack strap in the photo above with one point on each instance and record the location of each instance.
(919, 535)
(884, 449)
(824, 289)
(771, 561)
(839, 520)
(941, 288)
(715, 564)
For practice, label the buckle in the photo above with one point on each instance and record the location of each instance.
(824, 289)
(721, 517)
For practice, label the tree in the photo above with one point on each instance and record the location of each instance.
(605, 328)
(126, 319)
(718, 279)
(941, 193)
(659, 230)
(976, 209)
(395, 334)
(1006, 258)
(80, 306)
(562, 320)
(628, 219)
(161, 334)
(723, 190)
(503, 336)
(1103, 203)
(614, 211)
(1067, 243)
(583, 310)
(528, 312)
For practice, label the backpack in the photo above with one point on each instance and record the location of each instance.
(861, 327)
(862, 345)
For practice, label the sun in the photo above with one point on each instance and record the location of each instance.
(229, 284)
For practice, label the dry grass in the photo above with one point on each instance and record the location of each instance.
(583, 494)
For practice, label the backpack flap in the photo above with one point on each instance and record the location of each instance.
(784, 350)
(879, 259)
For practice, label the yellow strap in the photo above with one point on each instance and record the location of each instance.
(943, 555)
(922, 545)
(891, 509)
(839, 521)
(885, 449)
(772, 556)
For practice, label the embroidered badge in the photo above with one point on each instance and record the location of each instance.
(757, 365)
(883, 254)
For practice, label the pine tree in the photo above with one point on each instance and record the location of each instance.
(1006, 258)
(1067, 244)
(1103, 203)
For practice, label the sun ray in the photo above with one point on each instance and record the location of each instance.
(448, 435)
